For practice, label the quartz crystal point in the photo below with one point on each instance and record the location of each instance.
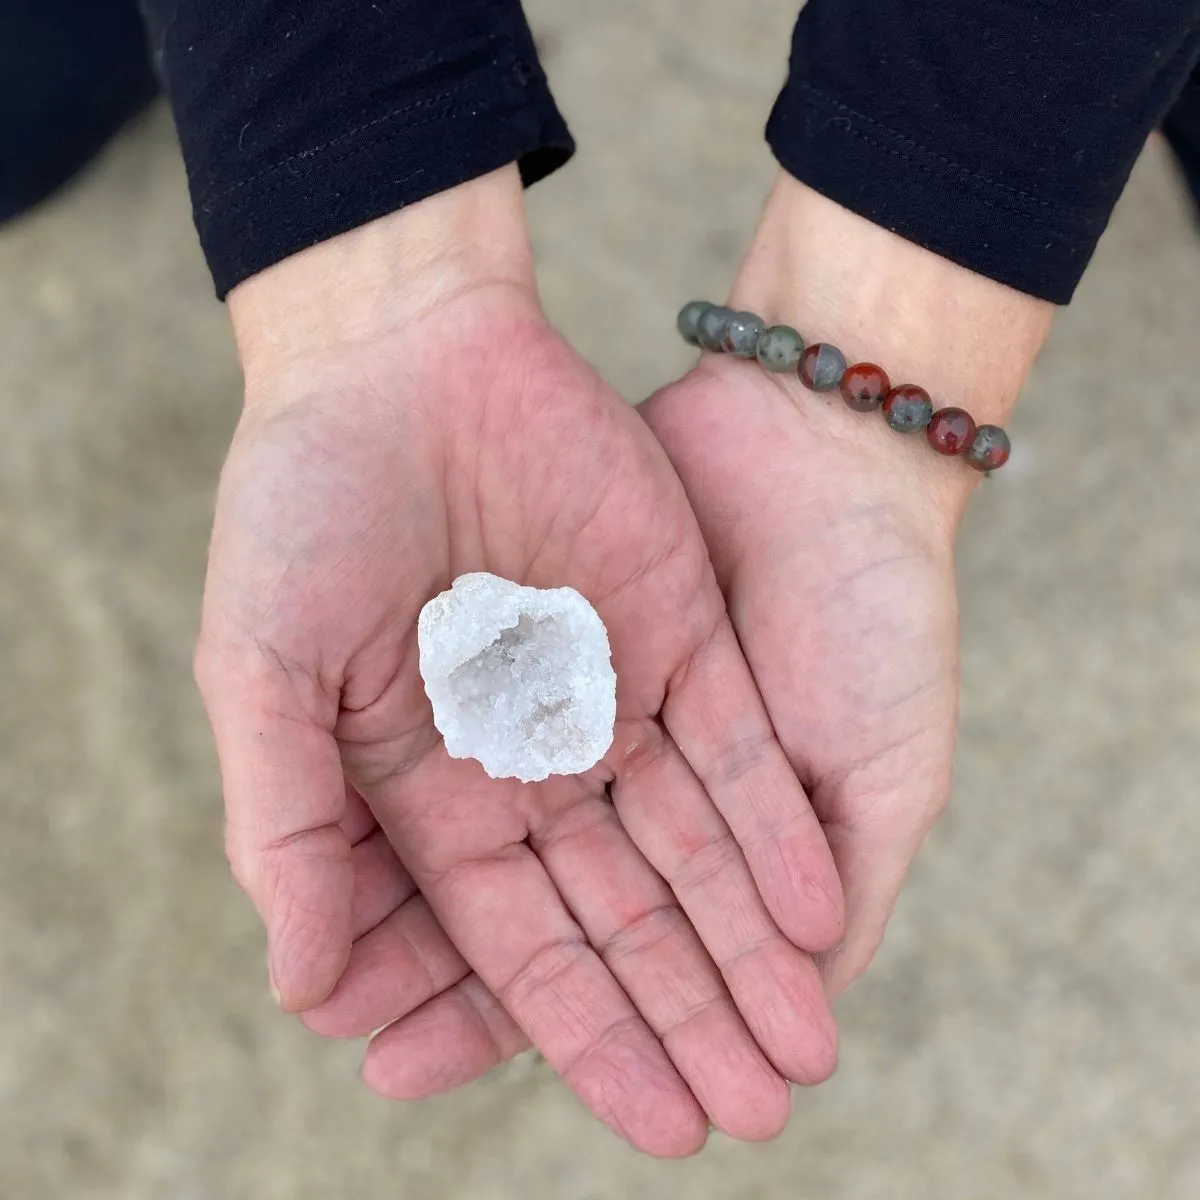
(520, 678)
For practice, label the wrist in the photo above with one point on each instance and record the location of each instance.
(969, 341)
(379, 277)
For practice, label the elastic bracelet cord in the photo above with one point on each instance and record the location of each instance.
(864, 386)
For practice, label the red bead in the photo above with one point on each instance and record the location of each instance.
(864, 386)
(951, 431)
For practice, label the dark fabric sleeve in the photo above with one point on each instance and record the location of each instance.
(1182, 130)
(300, 119)
(997, 133)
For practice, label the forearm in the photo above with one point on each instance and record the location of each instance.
(839, 278)
(378, 277)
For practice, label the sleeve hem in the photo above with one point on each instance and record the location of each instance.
(356, 179)
(983, 225)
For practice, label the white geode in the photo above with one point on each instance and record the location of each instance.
(520, 678)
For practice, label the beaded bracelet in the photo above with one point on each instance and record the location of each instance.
(864, 386)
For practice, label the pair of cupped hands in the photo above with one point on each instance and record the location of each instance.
(775, 573)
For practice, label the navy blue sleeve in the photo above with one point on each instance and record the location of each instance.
(997, 133)
(300, 119)
(1182, 131)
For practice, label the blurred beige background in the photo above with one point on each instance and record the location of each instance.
(1031, 1029)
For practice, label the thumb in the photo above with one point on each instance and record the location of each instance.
(873, 852)
(285, 801)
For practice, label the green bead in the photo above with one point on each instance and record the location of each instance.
(822, 367)
(779, 348)
(710, 329)
(741, 334)
(689, 320)
(908, 409)
(990, 448)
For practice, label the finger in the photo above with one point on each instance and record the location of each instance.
(632, 920)
(715, 715)
(451, 1040)
(285, 800)
(394, 969)
(873, 860)
(775, 986)
(497, 904)
(381, 884)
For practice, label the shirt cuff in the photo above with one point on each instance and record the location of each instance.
(292, 135)
(995, 138)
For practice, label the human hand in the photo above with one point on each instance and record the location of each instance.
(410, 417)
(832, 536)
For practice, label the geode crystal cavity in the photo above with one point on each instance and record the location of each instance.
(520, 678)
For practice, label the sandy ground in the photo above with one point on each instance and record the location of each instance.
(1030, 1029)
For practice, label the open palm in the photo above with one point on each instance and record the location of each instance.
(643, 924)
(835, 557)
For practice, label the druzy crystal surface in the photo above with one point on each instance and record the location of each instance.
(520, 678)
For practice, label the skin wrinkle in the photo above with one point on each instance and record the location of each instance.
(443, 877)
(241, 844)
(691, 1013)
(546, 831)
(301, 937)
(657, 564)
(403, 894)
(739, 757)
(557, 517)
(694, 872)
(632, 938)
(541, 970)
(418, 744)
(363, 711)
(596, 1048)
(750, 950)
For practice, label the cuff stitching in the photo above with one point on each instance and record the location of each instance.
(964, 172)
(450, 114)
(208, 204)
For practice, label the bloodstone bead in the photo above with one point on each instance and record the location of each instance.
(689, 319)
(780, 348)
(907, 409)
(989, 449)
(710, 328)
(951, 431)
(741, 334)
(822, 367)
(864, 386)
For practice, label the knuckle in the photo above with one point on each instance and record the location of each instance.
(739, 758)
(600, 1057)
(707, 862)
(646, 932)
(545, 969)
